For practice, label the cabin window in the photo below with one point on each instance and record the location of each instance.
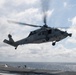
(43, 33)
(49, 31)
(39, 33)
(62, 32)
(56, 29)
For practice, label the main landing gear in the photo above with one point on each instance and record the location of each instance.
(53, 43)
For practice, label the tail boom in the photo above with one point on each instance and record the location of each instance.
(10, 43)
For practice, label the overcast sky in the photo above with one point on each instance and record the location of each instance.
(61, 13)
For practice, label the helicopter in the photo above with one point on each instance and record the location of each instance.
(42, 35)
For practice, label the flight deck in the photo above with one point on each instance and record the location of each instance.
(20, 70)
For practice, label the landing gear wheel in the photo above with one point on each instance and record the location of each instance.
(53, 43)
(9, 36)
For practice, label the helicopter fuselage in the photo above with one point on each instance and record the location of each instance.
(46, 35)
(42, 35)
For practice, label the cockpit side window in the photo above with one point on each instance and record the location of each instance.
(42, 33)
(62, 32)
(49, 31)
(56, 29)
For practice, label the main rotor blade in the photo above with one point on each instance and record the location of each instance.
(61, 27)
(23, 23)
(45, 19)
(45, 8)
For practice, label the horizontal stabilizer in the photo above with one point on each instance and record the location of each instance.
(9, 42)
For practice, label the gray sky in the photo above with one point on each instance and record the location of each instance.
(61, 13)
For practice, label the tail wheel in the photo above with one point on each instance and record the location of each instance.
(15, 47)
(53, 43)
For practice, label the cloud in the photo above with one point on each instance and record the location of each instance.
(65, 4)
(73, 20)
(18, 2)
(73, 30)
(2, 2)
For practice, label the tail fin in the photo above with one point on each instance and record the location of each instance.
(10, 41)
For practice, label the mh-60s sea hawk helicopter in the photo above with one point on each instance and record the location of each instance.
(42, 35)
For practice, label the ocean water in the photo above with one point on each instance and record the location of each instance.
(40, 65)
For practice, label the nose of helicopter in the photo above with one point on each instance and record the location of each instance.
(70, 34)
(66, 34)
